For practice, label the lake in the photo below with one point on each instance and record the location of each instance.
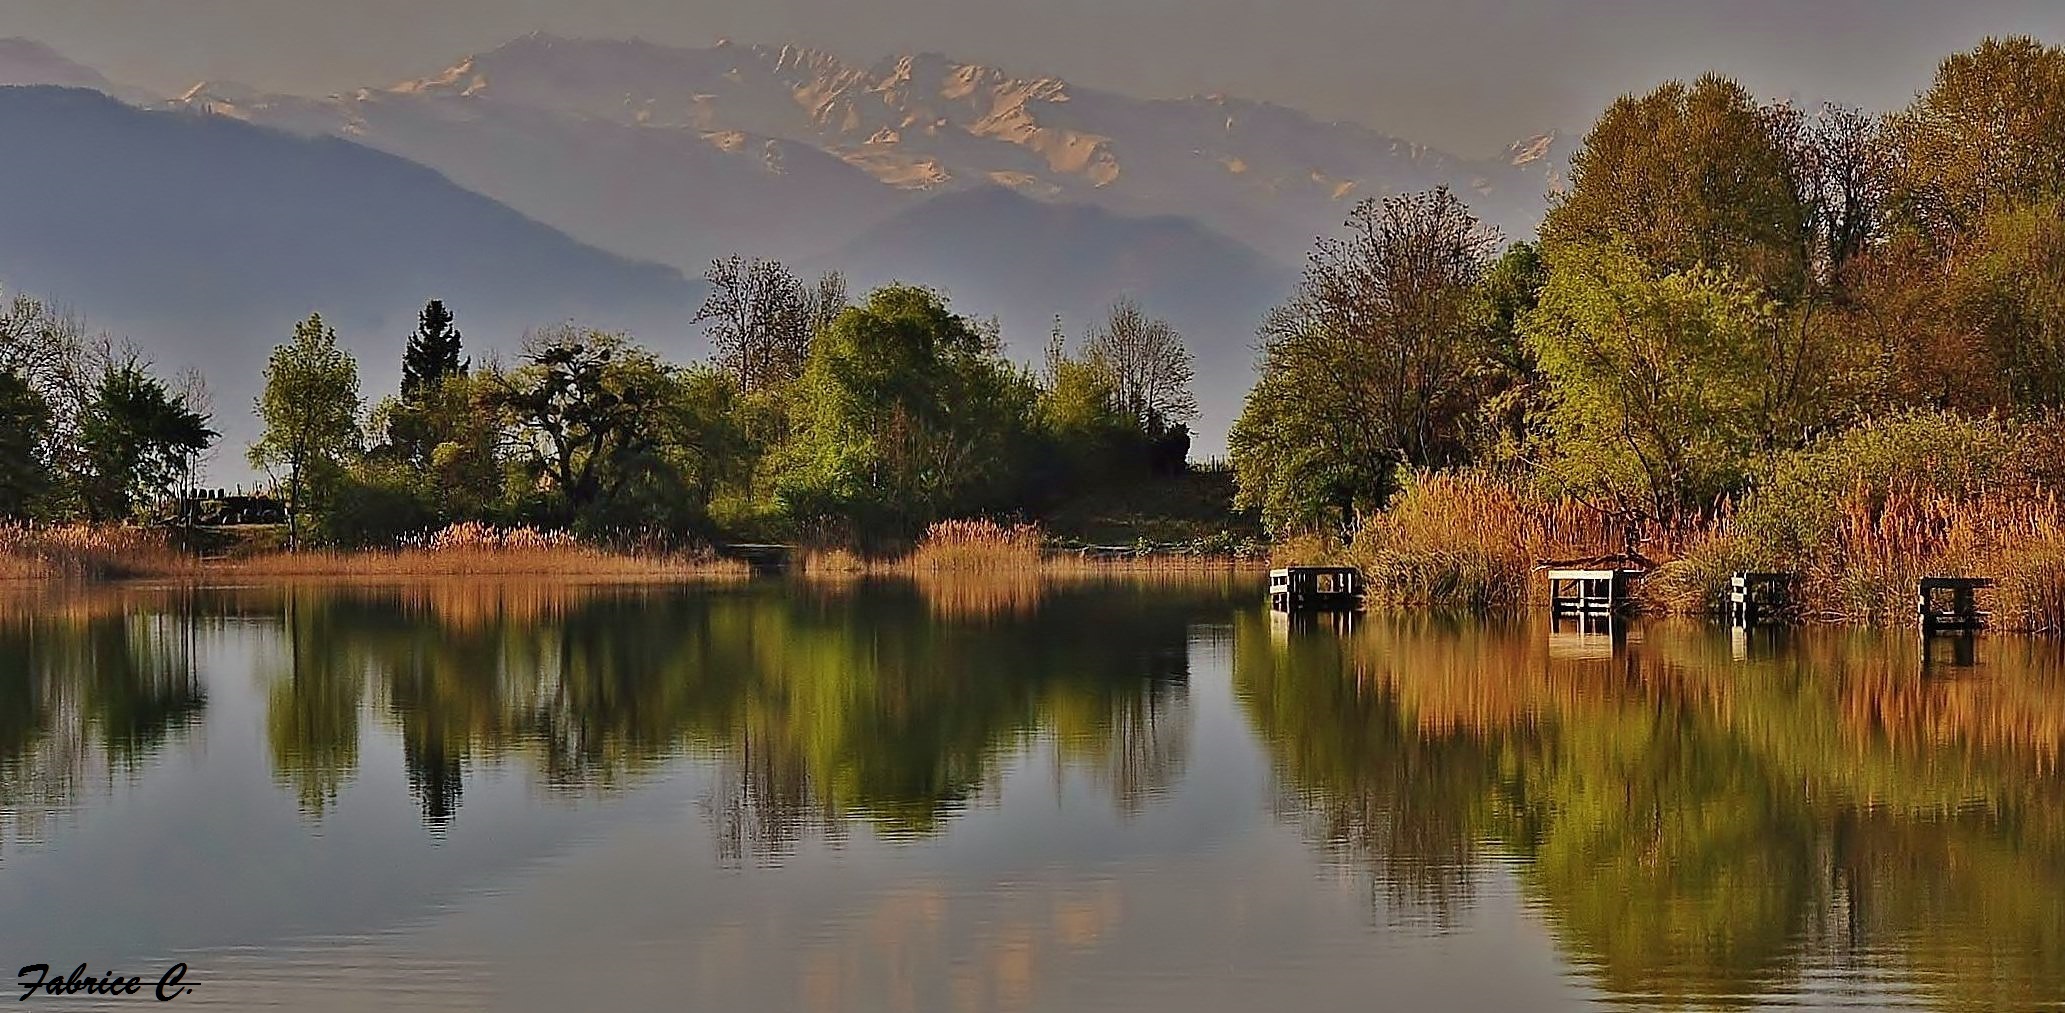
(1013, 795)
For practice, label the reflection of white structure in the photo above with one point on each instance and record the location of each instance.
(1589, 636)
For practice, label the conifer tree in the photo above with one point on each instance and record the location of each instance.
(433, 351)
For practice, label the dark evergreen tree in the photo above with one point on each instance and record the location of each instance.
(433, 351)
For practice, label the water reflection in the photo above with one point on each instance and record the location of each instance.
(1665, 815)
(87, 695)
(1699, 821)
(819, 705)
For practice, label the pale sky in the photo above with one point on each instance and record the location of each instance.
(1466, 75)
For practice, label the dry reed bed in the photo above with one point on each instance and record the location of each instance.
(471, 549)
(90, 552)
(1473, 541)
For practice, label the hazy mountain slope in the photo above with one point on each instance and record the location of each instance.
(998, 252)
(922, 123)
(680, 196)
(28, 62)
(204, 239)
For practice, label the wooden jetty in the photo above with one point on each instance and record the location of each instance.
(1588, 592)
(1755, 596)
(1950, 603)
(1315, 589)
(764, 559)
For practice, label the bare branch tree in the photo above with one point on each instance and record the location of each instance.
(1842, 163)
(1149, 367)
(760, 320)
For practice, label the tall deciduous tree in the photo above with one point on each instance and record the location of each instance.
(1148, 367)
(1380, 359)
(310, 409)
(1842, 164)
(1988, 135)
(759, 319)
(1662, 386)
(24, 435)
(906, 413)
(1688, 175)
(590, 408)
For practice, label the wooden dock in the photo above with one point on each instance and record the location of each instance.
(1756, 596)
(765, 560)
(1315, 589)
(1574, 592)
(1950, 603)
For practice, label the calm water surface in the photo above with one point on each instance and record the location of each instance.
(1012, 796)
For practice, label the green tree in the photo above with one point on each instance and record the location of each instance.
(1380, 359)
(24, 432)
(431, 357)
(1689, 175)
(1988, 135)
(1660, 385)
(1079, 413)
(433, 351)
(590, 414)
(138, 437)
(2008, 287)
(906, 413)
(310, 409)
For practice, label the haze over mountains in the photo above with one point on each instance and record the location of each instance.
(204, 240)
(1023, 197)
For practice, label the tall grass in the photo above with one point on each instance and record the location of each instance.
(977, 546)
(473, 549)
(85, 551)
(1472, 540)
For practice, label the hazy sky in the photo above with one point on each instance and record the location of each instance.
(1468, 75)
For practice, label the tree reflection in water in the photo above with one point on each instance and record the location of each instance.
(88, 692)
(888, 702)
(1696, 828)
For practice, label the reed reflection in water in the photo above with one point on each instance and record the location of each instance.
(1698, 820)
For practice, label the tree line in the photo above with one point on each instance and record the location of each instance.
(1722, 285)
(815, 416)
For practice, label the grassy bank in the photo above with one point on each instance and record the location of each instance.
(116, 552)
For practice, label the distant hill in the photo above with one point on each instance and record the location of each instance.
(204, 239)
(998, 252)
(28, 62)
(912, 124)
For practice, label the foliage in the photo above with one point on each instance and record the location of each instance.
(24, 433)
(138, 438)
(1687, 176)
(597, 420)
(905, 414)
(1382, 358)
(1664, 388)
(1987, 136)
(2007, 286)
(433, 351)
(310, 409)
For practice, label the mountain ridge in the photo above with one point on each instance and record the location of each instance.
(205, 239)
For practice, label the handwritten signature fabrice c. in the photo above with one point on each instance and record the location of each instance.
(79, 982)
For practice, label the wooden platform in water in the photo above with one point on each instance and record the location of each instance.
(1315, 589)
